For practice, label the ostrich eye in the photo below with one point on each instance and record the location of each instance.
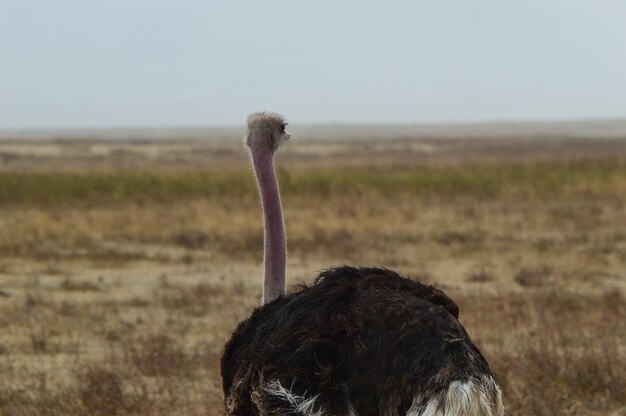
(282, 127)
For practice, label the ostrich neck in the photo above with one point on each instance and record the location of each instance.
(275, 245)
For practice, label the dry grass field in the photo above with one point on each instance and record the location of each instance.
(124, 266)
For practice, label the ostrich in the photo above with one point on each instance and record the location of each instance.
(358, 341)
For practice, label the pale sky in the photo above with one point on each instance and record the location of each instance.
(136, 63)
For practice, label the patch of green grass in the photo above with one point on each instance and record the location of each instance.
(487, 180)
(483, 181)
(98, 188)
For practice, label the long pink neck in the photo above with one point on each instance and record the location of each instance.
(275, 243)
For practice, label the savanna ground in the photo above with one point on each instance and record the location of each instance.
(124, 267)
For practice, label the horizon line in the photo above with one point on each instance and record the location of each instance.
(309, 124)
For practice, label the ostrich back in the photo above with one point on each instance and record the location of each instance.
(363, 341)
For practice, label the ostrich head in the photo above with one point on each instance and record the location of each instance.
(266, 132)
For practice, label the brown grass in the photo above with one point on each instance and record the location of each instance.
(122, 307)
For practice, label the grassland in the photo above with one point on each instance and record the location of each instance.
(482, 181)
(123, 268)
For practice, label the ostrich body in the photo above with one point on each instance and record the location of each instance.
(358, 341)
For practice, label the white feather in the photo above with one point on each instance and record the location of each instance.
(470, 398)
(300, 405)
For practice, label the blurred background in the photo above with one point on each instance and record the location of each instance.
(476, 146)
